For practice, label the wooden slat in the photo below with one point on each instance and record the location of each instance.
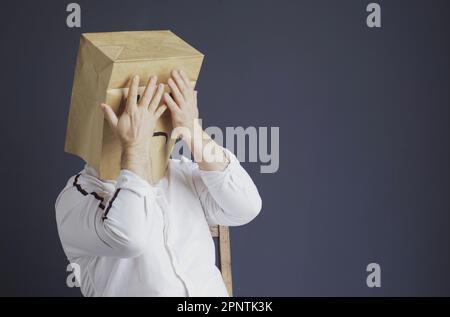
(223, 233)
(225, 257)
(214, 231)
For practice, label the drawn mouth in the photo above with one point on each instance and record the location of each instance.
(160, 133)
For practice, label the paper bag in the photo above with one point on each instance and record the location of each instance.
(105, 64)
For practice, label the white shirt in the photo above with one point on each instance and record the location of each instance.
(131, 238)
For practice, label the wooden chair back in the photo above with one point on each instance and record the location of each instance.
(223, 235)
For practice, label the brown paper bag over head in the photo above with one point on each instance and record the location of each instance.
(105, 63)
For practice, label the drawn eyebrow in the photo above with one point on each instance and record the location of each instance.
(160, 133)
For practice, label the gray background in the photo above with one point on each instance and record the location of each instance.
(363, 116)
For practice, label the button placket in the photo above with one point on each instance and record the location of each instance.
(162, 202)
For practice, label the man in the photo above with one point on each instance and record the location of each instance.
(135, 237)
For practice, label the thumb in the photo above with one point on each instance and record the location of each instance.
(110, 116)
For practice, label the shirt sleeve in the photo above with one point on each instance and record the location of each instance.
(116, 228)
(228, 197)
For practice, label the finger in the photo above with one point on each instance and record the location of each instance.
(178, 97)
(180, 82)
(160, 111)
(149, 92)
(185, 78)
(171, 104)
(110, 116)
(132, 94)
(156, 98)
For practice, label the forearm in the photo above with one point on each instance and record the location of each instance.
(118, 229)
(125, 219)
(229, 197)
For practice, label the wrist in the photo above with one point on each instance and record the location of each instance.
(137, 160)
(194, 133)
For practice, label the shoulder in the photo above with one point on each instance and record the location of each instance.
(82, 187)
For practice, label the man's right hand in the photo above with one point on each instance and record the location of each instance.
(135, 126)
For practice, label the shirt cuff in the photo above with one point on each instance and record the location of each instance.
(217, 179)
(131, 181)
